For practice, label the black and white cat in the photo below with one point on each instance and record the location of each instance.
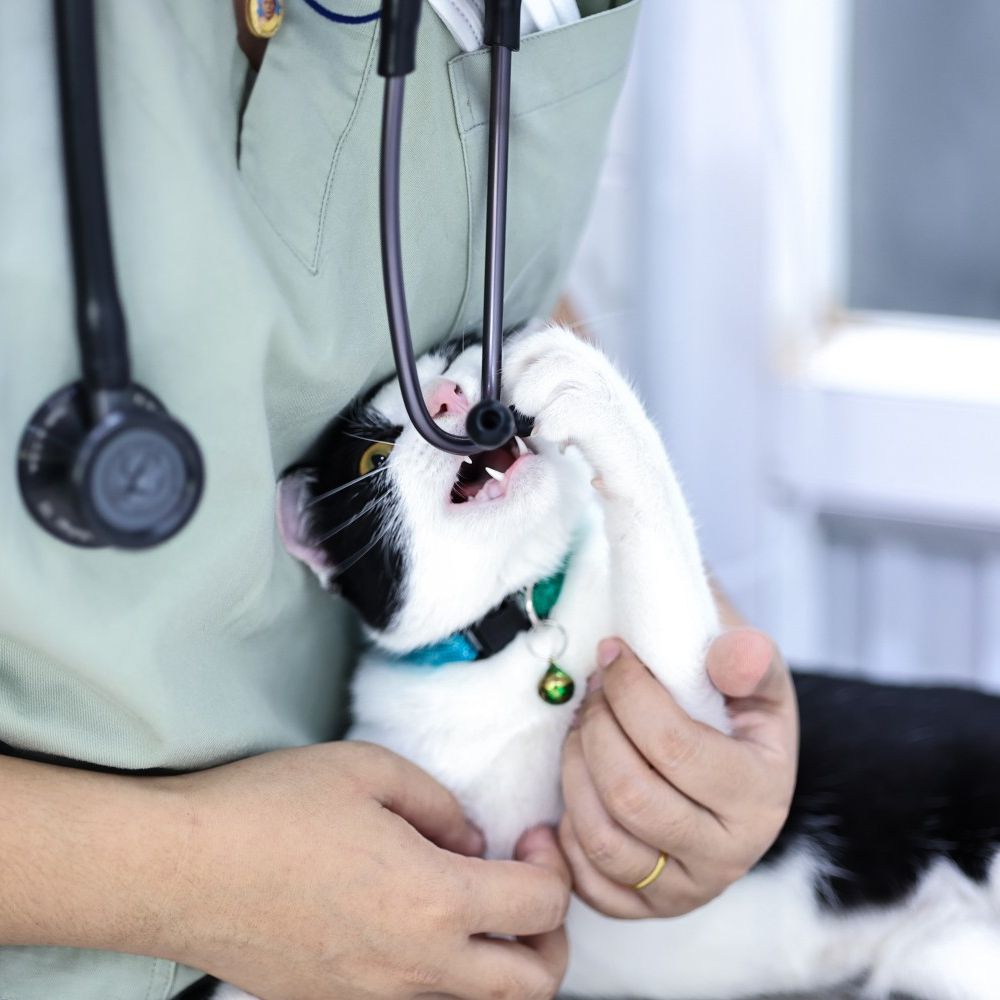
(886, 871)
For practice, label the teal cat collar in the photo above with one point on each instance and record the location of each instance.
(516, 613)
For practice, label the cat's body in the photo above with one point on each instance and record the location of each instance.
(481, 728)
(886, 868)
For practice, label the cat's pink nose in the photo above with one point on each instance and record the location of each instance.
(447, 397)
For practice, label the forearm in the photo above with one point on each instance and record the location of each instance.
(86, 859)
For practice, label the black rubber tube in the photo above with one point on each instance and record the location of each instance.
(100, 322)
(486, 425)
(496, 222)
(392, 277)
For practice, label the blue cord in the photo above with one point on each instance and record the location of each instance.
(342, 18)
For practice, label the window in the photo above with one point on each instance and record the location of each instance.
(923, 170)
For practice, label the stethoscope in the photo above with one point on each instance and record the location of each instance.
(102, 462)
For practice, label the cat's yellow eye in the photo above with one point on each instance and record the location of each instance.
(374, 457)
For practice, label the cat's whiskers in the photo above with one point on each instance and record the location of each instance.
(361, 437)
(366, 509)
(329, 493)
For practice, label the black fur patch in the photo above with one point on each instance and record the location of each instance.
(892, 778)
(350, 515)
(451, 349)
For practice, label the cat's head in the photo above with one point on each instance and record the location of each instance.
(421, 542)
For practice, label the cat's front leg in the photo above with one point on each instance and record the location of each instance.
(663, 605)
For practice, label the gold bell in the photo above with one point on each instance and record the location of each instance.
(264, 17)
(556, 686)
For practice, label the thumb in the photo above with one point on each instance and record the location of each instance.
(412, 794)
(739, 661)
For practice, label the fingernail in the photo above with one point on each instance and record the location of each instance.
(477, 840)
(608, 650)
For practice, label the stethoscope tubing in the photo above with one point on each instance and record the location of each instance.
(100, 323)
(392, 276)
(496, 221)
(489, 421)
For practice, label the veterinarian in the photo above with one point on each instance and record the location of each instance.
(244, 215)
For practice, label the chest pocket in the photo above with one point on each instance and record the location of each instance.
(306, 99)
(309, 158)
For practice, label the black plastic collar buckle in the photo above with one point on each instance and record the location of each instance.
(498, 628)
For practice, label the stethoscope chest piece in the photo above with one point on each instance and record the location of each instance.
(129, 477)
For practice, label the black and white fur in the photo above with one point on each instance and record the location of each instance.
(886, 871)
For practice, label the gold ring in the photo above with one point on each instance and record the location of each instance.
(661, 863)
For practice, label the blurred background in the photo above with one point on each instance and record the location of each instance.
(795, 252)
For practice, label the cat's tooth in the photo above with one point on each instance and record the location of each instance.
(465, 458)
(498, 476)
(522, 448)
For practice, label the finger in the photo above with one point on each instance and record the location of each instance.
(673, 893)
(514, 969)
(524, 897)
(540, 846)
(707, 766)
(595, 888)
(635, 795)
(608, 846)
(410, 792)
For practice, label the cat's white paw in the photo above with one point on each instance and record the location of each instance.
(569, 387)
(578, 398)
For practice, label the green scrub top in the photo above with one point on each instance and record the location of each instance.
(245, 224)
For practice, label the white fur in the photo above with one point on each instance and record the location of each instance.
(766, 935)
(602, 483)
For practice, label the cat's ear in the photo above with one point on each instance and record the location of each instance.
(292, 508)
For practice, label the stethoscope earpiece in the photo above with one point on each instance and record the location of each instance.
(129, 477)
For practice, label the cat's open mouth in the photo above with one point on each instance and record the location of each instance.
(483, 477)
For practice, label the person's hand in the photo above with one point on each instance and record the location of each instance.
(342, 872)
(640, 776)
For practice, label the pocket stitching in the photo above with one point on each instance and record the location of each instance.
(469, 228)
(362, 89)
(530, 41)
(555, 102)
(312, 265)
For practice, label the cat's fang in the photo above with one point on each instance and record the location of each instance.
(466, 459)
(522, 448)
(498, 476)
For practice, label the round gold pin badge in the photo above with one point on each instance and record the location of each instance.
(264, 17)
